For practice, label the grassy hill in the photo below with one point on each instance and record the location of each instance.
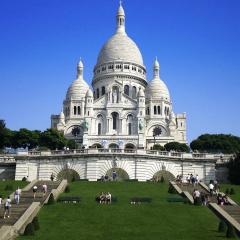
(159, 219)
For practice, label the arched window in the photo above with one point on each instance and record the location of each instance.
(126, 90)
(75, 110)
(155, 110)
(134, 92)
(79, 110)
(159, 110)
(103, 90)
(97, 93)
(99, 128)
(115, 120)
(129, 128)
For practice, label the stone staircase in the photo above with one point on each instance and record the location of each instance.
(233, 211)
(26, 199)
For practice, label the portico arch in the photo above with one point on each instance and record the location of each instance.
(130, 146)
(168, 176)
(68, 174)
(113, 146)
(121, 174)
(96, 145)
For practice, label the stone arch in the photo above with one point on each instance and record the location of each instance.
(96, 145)
(68, 174)
(167, 176)
(121, 174)
(130, 146)
(113, 146)
(165, 130)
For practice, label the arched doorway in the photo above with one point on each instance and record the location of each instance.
(69, 174)
(113, 146)
(166, 175)
(120, 174)
(130, 146)
(96, 145)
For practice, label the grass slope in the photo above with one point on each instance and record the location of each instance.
(12, 183)
(121, 220)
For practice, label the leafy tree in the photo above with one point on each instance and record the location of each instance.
(2, 133)
(25, 138)
(234, 169)
(52, 139)
(176, 146)
(216, 143)
(71, 144)
(158, 147)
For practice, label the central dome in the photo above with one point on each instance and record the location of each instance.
(120, 47)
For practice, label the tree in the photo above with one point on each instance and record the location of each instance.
(2, 133)
(52, 139)
(216, 143)
(158, 147)
(234, 169)
(25, 138)
(176, 146)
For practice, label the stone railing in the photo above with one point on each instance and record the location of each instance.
(172, 154)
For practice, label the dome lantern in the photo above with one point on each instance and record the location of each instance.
(156, 69)
(120, 19)
(80, 69)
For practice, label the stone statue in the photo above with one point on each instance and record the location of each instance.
(140, 126)
(114, 96)
(85, 125)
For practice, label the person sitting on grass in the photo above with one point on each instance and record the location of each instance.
(108, 198)
(7, 207)
(102, 198)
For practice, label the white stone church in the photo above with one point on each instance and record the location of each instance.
(124, 109)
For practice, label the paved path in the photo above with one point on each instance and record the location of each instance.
(26, 200)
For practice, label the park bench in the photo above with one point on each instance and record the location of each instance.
(140, 200)
(69, 199)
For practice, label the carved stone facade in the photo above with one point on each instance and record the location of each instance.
(124, 110)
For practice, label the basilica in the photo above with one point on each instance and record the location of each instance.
(122, 109)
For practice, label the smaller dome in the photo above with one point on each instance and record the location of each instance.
(141, 93)
(62, 115)
(89, 93)
(77, 90)
(157, 88)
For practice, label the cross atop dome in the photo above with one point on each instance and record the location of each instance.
(120, 19)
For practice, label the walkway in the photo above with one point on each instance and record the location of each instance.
(26, 199)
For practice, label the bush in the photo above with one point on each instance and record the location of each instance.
(67, 189)
(35, 224)
(232, 191)
(8, 187)
(51, 199)
(73, 179)
(230, 232)
(227, 191)
(24, 179)
(29, 230)
(162, 179)
(222, 226)
(171, 189)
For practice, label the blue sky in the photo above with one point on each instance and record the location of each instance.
(197, 44)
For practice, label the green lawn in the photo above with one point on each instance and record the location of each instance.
(236, 196)
(12, 183)
(121, 220)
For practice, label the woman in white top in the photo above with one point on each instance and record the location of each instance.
(34, 191)
(0, 201)
(7, 207)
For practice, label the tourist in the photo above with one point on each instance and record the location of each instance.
(44, 189)
(34, 191)
(197, 179)
(114, 175)
(188, 178)
(211, 188)
(102, 198)
(17, 194)
(196, 196)
(0, 201)
(52, 177)
(7, 207)
(108, 198)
